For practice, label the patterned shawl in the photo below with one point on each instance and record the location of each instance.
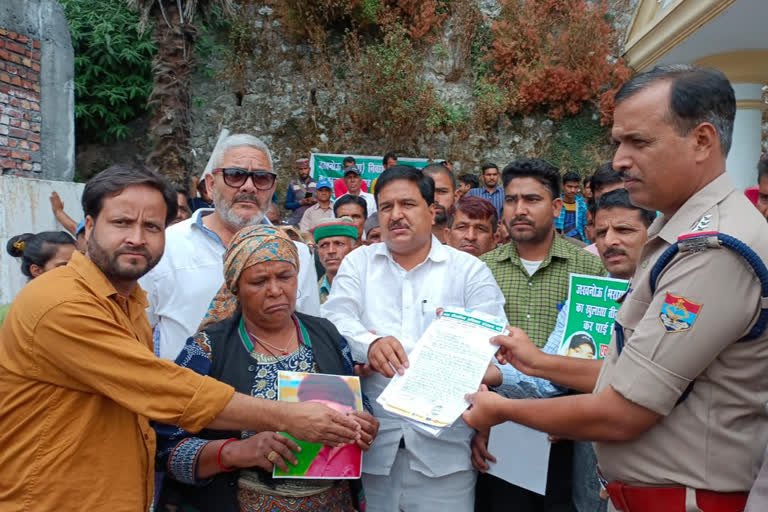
(249, 246)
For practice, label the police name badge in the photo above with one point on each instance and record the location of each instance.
(678, 313)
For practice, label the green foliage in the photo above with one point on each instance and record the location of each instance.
(391, 97)
(113, 67)
(577, 143)
(446, 117)
(370, 10)
(209, 44)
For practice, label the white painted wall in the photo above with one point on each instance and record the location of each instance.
(25, 208)
(747, 138)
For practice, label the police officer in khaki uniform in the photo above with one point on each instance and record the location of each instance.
(679, 407)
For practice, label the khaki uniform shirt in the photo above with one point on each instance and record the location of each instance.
(78, 385)
(704, 302)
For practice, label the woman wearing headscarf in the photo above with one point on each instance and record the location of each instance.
(251, 332)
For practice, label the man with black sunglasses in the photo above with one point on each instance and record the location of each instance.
(190, 273)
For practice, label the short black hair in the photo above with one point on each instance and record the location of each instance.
(348, 160)
(697, 95)
(469, 179)
(582, 339)
(349, 198)
(488, 165)
(540, 170)
(388, 156)
(570, 177)
(116, 178)
(762, 168)
(405, 172)
(604, 175)
(183, 192)
(37, 249)
(619, 198)
(433, 169)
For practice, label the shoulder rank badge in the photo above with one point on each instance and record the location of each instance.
(678, 313)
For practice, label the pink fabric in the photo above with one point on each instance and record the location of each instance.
(752, 194)
(341, 462)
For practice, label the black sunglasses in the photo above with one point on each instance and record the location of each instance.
(236, 177)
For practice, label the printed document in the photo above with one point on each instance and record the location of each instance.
(449, 361)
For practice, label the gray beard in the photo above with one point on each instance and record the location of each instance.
(233, 222)
(238, 223)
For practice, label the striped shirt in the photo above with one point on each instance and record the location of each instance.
(496, 199)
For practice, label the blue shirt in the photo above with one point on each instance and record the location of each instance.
(496, 199)
(581, 218)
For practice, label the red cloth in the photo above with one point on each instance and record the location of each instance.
(627, 498)
(752, 194)
(340, 188)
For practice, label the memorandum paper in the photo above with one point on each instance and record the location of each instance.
(449, 361)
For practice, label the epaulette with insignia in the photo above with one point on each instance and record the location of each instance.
(703, 223)
(695, 242)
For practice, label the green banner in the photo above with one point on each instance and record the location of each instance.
(592, 309)
(330, 166)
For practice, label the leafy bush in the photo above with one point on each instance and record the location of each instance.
(555, 55)
(313, 19)
(113, 67)
(579, 143)
(391, 98)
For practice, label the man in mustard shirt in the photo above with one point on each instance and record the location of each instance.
(79, 382)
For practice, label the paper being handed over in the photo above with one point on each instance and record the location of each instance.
(449, 361)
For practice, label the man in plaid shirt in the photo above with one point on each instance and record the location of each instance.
(533, 273)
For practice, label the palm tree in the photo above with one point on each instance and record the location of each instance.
(174, 35)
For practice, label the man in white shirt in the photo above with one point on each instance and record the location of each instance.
(383, 298)
(191, 271)
(354, 182)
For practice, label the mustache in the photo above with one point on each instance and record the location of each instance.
(398, 224)
(614, 251)
(246, 196)
(521, 220)
(126, 249)
(624, 175)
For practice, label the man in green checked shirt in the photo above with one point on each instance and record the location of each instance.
(533, 272)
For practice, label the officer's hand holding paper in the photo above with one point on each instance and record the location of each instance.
(448, 362)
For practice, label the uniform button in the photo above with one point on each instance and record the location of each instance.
(527, 316)
(251, 368)
(146, 436)
(530, 283)
(231, 484)
(645, 264)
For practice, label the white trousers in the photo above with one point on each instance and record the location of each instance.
(406, 490)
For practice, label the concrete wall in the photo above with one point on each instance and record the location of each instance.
(25, 208)
(37, 116)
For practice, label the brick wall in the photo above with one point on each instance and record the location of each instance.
(19, 104)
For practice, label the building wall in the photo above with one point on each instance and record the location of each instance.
(19, 103)
(37, 112)
(25, 208)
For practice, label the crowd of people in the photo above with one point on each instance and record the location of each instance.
(138, 367)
